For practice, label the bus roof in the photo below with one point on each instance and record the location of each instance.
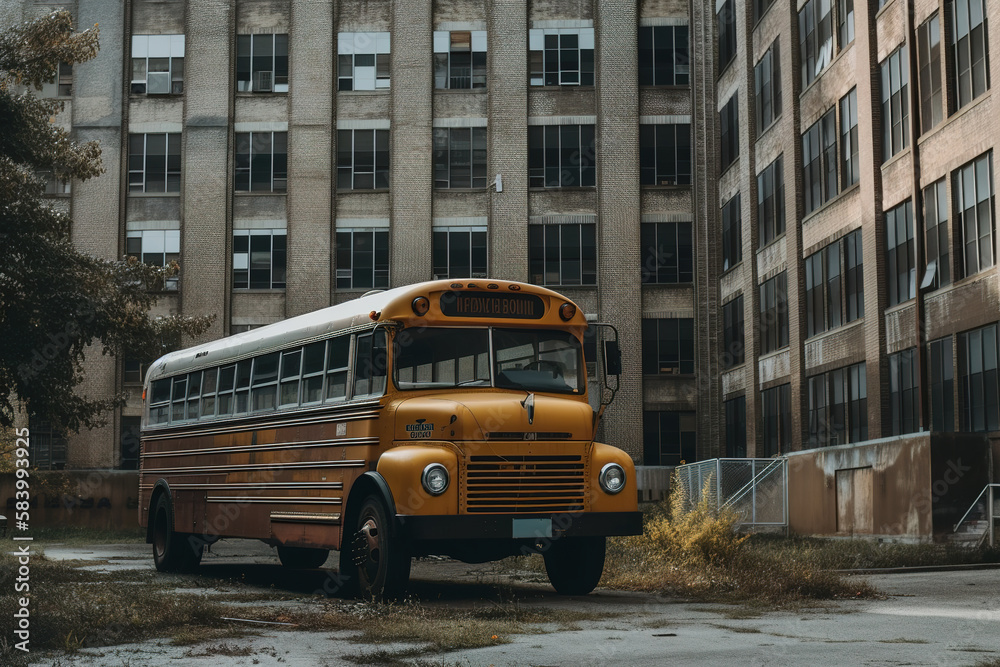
(322, 323)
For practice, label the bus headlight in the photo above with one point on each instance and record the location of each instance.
(612, 478)
(435, 479)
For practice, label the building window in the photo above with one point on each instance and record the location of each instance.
(895, 103)
(929, 65)
(777, 417)
(760, 7)
(459, 59)
(563, 254)
(767, 88)
(262, 63)
(133, 371)
(850, 164)
(259, 258)
(771, 202)
(819, 162)
(667, 252)
(970, 44)
(561, 156)
(362, 159)
(62, 86)
(736, 427)
(363, 60)
(665, 154)
(48, 445)
(936, 234)
(129, 445)
(972, 189)
(838, 407)
(902, 272)
(459, 157)
(828, 273)
(668, 347)
(726, 20)
(663, 55)
(732, 333)
(53, 185)
(561, 56)
(816, 38)
(732, 233)
(774, 313)
(903, 395)
(362, 258)
(154, 163)
(845, 22)
(668, 437)
(942, 385)
(155, 247)
(980, 397)
(729, 124)
(157, 64)
(261, 161)
(459, 252)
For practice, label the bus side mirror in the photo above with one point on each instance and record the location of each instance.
(612, 358)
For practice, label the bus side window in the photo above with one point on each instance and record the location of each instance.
(312, 372)
(242, 386)
(336, 368)
(264, 389)
(208, 386)
(177, 399)
(159, 402)
(194, 394)
(370, 361)
(291, 367)
(227, 379)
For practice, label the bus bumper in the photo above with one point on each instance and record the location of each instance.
(519, 526)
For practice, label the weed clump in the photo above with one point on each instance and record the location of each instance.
(696, 550)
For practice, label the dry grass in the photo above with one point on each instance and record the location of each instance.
(698, 554)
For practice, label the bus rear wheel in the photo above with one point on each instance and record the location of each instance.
(374, 559)
(173, 551)
(302, 558)
(575, 564)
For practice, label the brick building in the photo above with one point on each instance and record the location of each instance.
(786, 209)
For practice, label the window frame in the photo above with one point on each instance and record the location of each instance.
(657, 239)
(732, 232)
(475, 252)
(653, 59)
(348, 274)
(447, 157)
(894, 86)
(901, 271)
(166, 47)
(550, 154)
(541, 53)
(969, 218)
(254, 83)
(773, 320)
(256, 151)
(767, 87)
(351, 45)
(771, 202)
(733, 333)
(140, 174)
(664, 157)
(540, 240)
(380, 161)
(665, 349)
(277, 258)
(136, 245)
(444, 50)
(962, 50)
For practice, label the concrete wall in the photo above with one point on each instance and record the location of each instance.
(913, 487)
(99, 499)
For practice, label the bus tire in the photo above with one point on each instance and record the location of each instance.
(374, 560)
(173, 551)
(575, 564)
(302, 558)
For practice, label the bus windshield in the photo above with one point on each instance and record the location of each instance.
(528, 359)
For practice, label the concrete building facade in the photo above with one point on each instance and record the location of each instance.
(741, 187)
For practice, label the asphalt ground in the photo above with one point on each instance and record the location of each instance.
(938, 617)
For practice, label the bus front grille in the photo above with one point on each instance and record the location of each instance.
(524, 484)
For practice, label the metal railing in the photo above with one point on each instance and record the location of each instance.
(990, 495)
(756, 489)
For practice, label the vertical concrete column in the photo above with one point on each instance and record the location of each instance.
(616, 23)
(97, 116)
(310, 159)
(411, 171)
(206, 176)
(507, 78)
(873, 240)
(707, 226)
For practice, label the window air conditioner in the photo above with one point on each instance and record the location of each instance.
(668, 181)
(263, 81)
(158, 83)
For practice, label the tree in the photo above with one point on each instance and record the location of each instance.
(56, 303)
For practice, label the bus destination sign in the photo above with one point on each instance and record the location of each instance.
(480, 304)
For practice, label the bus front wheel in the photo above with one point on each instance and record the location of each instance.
(375, 560)
(172, 551)
(302, 558)
(575, 564)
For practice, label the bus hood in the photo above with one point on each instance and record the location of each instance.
(492, 416)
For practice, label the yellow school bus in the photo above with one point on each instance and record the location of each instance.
(446, 417)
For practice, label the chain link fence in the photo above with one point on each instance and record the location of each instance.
(756, 489)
